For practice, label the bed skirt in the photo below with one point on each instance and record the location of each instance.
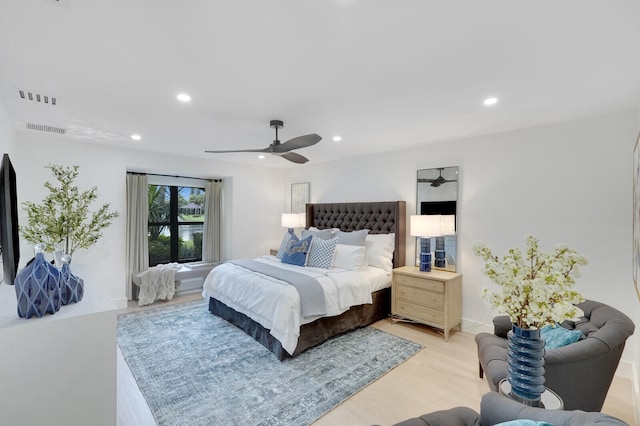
(314, 333)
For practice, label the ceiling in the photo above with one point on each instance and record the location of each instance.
(384, 75)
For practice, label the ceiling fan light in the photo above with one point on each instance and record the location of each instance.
(337, 138)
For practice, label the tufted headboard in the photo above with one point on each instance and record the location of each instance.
(380, 217)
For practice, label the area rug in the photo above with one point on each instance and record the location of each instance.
(194, 368)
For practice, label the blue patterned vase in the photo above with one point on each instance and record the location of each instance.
(71, 286)
(525, 369)
(38, 287)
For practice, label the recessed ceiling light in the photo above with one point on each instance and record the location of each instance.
(337, 138)
(261, 157)
(136, 137)
(490, 101)
(183, 97)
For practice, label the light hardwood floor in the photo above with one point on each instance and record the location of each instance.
(440, 376)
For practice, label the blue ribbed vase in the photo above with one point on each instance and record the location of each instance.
(525, 370)
(38, 287)
(71, 286)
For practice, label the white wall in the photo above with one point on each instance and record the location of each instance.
(569, 182)
(7, 134)
(253, 199)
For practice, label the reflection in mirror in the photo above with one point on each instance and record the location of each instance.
(437, 194)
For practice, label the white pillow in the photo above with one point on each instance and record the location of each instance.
(349, 257)
(380, 249)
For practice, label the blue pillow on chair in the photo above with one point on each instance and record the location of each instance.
(296, 251)
(558, 336)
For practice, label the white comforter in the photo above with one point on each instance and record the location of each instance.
(276, 305)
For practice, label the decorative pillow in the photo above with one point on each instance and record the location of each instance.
(380, 249)
(321, 252)
(353, 238)
(524, 422)
(349, 257)
(283, 245)
(325, 234)
(558, 336)
(296, 251)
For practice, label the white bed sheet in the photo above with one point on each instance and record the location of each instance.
(276, 305)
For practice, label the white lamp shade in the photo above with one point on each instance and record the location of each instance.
(293, 220)
(425, 225)
(448, 224)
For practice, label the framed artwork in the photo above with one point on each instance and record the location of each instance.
(300, 196)
(636, 215)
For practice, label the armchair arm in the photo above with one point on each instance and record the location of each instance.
(458, 416)
(501, 326)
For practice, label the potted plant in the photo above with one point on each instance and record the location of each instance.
(536, 290)
(62, 222)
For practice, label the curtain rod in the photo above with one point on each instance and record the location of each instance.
(174, 176)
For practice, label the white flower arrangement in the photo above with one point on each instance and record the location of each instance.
(536, 289)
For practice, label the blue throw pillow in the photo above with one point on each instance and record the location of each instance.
(321, 253)
(558, 336)
(296, 251)
(285, 241)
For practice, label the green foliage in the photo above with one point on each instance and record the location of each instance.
(63, 221)
(159, 249)
(198, 198)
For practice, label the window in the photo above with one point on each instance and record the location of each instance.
(176, 223)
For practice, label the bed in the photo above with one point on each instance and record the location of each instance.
(342, 314)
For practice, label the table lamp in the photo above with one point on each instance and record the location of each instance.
(425, 227)
(293, 220)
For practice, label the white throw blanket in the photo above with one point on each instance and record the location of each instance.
(158, 283)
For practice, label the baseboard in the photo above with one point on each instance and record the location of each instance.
(121, 302)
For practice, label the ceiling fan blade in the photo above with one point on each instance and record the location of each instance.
(297, 143)
(241, 150)
(293, 157)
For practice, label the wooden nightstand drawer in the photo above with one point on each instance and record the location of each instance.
(419, 312)
(418, 282)
(417, 295)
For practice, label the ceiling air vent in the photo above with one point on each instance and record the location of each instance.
(45, 128)
(37, 97)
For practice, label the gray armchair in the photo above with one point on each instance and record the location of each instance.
(495, 408)
(581, 372)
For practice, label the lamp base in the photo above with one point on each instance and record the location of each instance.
(425, 254)
(425, 262)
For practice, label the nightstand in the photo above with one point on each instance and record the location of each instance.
(432, 298)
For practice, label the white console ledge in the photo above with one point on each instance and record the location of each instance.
(61, 368)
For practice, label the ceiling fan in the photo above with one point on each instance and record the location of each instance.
(284, 149)
(437, 181)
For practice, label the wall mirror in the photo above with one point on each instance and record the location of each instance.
(437, 194)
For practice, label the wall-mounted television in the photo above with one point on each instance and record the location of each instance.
(9, 239)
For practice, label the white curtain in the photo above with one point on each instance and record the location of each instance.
(137, 227)
(212, 218)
